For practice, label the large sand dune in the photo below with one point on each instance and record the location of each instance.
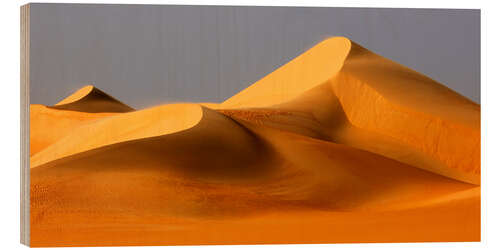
(339, 145)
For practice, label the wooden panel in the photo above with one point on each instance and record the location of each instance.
(25, 79)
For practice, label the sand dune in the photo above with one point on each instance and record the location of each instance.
(339, 145)
(91, 100)
(382, 96)
(318, 114)
(312, 68)
(396, 101)
(163, 185)
(149, 123)
(48, 125)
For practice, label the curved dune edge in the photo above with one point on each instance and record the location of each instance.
(77, 95)
(48, 125)
(318, 114)
(150, 122)
(92, 100)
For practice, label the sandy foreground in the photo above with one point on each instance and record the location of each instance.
(338, 145)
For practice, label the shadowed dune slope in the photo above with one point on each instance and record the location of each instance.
(152, 122)
(92, 100)
(318, 114)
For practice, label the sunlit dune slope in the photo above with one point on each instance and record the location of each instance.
(152, 122)
(308, 70)
(88, 104)
(377, 95)
(92, 100)
(48, 125)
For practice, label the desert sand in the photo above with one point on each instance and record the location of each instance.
(338, 145)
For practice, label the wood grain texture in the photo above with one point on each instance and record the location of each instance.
(25, 80)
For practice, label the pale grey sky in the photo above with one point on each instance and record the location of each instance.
(146, 55)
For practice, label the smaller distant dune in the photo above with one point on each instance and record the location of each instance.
(92, 100)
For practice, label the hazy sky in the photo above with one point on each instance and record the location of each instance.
(146, 55)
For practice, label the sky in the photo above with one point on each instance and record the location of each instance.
(145, 55)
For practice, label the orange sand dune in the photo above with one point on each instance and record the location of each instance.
(144, 123)
(395, 101)
(149, 123)
(318, 114)
(91, 100)
(339, 145)
(381, 96)
(49, 124)
(160, 184)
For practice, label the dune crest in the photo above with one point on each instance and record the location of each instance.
(145, 123)
(48, 125)
(306, 71)
(92, 100)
